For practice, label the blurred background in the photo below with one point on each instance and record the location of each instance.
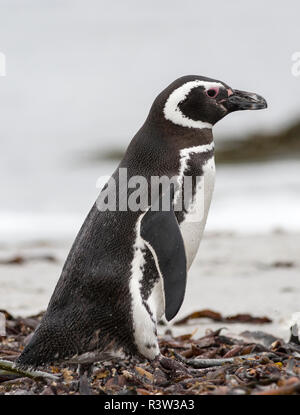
(80, 79)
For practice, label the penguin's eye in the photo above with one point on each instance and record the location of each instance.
(212, 92)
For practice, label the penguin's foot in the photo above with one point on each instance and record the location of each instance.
(170, 366)
(85, 372)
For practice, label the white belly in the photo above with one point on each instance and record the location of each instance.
(194, 222)
(192, 229)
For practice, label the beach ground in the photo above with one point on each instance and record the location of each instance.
(232, 274)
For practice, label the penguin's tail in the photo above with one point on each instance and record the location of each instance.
(48, 345)
(31, 358)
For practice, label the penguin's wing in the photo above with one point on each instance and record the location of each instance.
(161, 233)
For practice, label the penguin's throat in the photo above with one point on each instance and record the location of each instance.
(199, 139)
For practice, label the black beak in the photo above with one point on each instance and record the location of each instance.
(241, 100)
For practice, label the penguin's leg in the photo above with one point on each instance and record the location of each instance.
(85, 371)
(170, 366)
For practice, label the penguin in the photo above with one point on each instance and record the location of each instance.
(127, 268)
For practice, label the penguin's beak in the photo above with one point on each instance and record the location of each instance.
(241, 100)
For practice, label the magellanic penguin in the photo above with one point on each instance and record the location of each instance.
(127, 267)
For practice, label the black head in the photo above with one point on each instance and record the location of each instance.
(199, 102)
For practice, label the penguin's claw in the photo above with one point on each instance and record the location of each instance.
(85, 372)
(170, 366)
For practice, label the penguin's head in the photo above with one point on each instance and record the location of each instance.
(199, 102)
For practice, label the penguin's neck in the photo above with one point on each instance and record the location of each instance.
(163, 148)
(175, 136)
(190, 139)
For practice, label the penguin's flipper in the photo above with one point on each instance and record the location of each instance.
(160, 231)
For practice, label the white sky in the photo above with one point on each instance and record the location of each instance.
(84, 72)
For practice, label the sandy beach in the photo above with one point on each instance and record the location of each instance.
(255, 274)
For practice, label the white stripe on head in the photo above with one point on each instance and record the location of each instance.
(172, 111)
